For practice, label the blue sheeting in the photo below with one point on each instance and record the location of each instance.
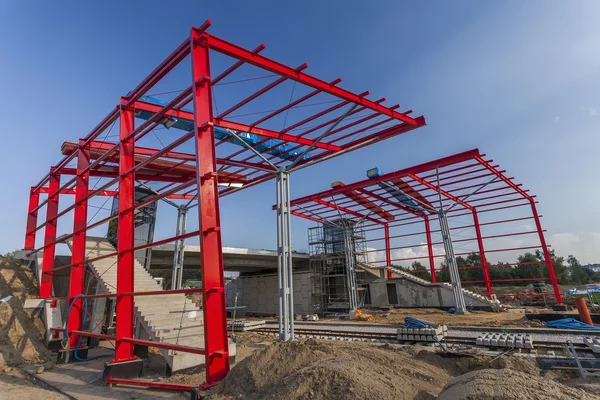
(395, 191)
(571, 323)
(415, 323)
(273, 147)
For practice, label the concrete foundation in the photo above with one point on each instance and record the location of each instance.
(259, 295)
(401, 292)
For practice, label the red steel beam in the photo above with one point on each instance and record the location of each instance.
(78, 251)
(213, 281)
(484, 266)
(235, 66)
(499, 174)
(275, 135)
(125, 257)
(547, 257)
(253, 96)
(364, 202)
(440, 190)
(456, 158)
(289, 106)
(430, 249)
(150, 384)
(50, 234)
(388, 250)
(163, 345)
(109, 193)
(384, 200)
(301, 215)
(249, 57)
(347, 211)
(188, 116)
(34, 200)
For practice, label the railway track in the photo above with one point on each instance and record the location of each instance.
(387, 334)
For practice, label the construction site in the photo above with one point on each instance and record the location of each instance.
(398, 295)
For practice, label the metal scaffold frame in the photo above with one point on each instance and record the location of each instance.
(225, 154)
(442, 191)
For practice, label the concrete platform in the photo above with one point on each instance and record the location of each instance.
(83, 381)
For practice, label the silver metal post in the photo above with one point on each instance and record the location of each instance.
(284, 257)
(179, 249)
(350, 268)
(452, 266)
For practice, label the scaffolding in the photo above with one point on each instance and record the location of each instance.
(336, 250)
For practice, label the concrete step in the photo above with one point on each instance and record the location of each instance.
(161, 315)
(185, 336)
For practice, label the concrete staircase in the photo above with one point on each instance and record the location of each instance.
(165, 318)
(398, 273)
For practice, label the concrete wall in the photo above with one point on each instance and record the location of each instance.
(259, 293)
(414, 294)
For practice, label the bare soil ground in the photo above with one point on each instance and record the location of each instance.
(510, 318)
(16, 385)
(327, 370)
(21, 335)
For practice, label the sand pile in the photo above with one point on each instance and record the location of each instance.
(321, 370)
(488, 384)
(21, 335)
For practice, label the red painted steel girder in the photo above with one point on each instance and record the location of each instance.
(347, 211)
(249, 57)
(161, 169)
(188, 116)
(442, 162)
(365, 202)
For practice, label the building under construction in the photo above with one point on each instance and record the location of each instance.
(365, 230)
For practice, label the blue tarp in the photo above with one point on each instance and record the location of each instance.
(396, 192)
(571, 323)
(273, 147)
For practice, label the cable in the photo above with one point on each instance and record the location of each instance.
(83, 319)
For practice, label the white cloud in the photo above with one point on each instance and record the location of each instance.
(584, 246)
(418, 253)
(593, 111)
(556, 119)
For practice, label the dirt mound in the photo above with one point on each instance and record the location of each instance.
(21, 335)
(488, 384)
(332, 370)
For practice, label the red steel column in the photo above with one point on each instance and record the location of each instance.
(34, 201)
(50, 234)
(125, 242)
(538, 225)
(213, 281)
(76, 282)
(430, 249)
(388, 252)
(484, 266)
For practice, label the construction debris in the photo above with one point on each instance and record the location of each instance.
(21, 334)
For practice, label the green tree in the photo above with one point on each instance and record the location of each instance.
(501, 271)
(529, 267)
(443, 275)
(558, 263)
(578, 273)
(420, 271)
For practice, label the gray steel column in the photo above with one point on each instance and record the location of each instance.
(179, 249)
(284, 257)
(350, 268)
(451, 261)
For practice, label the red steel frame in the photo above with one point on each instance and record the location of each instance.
(463, 189)
(188, 176)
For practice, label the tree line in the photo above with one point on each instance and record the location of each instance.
(529, 265)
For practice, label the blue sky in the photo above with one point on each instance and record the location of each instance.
(520, 80)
